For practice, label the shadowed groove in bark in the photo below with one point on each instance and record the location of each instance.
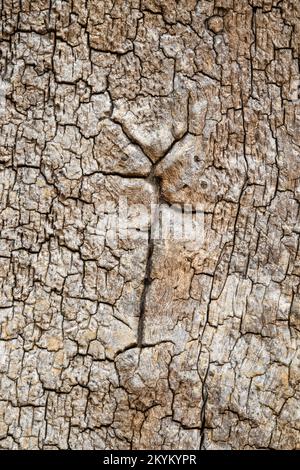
(147, 283)
(154, 181)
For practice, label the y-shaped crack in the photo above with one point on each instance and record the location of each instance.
(154, 180)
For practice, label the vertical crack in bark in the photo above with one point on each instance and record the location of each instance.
(153, 180)
(203, 410)
(147, 282)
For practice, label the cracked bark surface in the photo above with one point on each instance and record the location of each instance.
(149, 345)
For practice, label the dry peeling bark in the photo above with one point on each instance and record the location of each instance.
(155, 345)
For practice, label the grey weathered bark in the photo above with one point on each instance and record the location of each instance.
(149, 344)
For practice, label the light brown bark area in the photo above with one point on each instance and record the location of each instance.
(181, 101)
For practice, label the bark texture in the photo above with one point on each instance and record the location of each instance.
(149, 345)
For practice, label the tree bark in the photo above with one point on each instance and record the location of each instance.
(149, 342)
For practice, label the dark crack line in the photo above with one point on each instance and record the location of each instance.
(147, 283)
(203, 410)
(154, 181)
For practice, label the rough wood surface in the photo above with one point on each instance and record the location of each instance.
(149, 344)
